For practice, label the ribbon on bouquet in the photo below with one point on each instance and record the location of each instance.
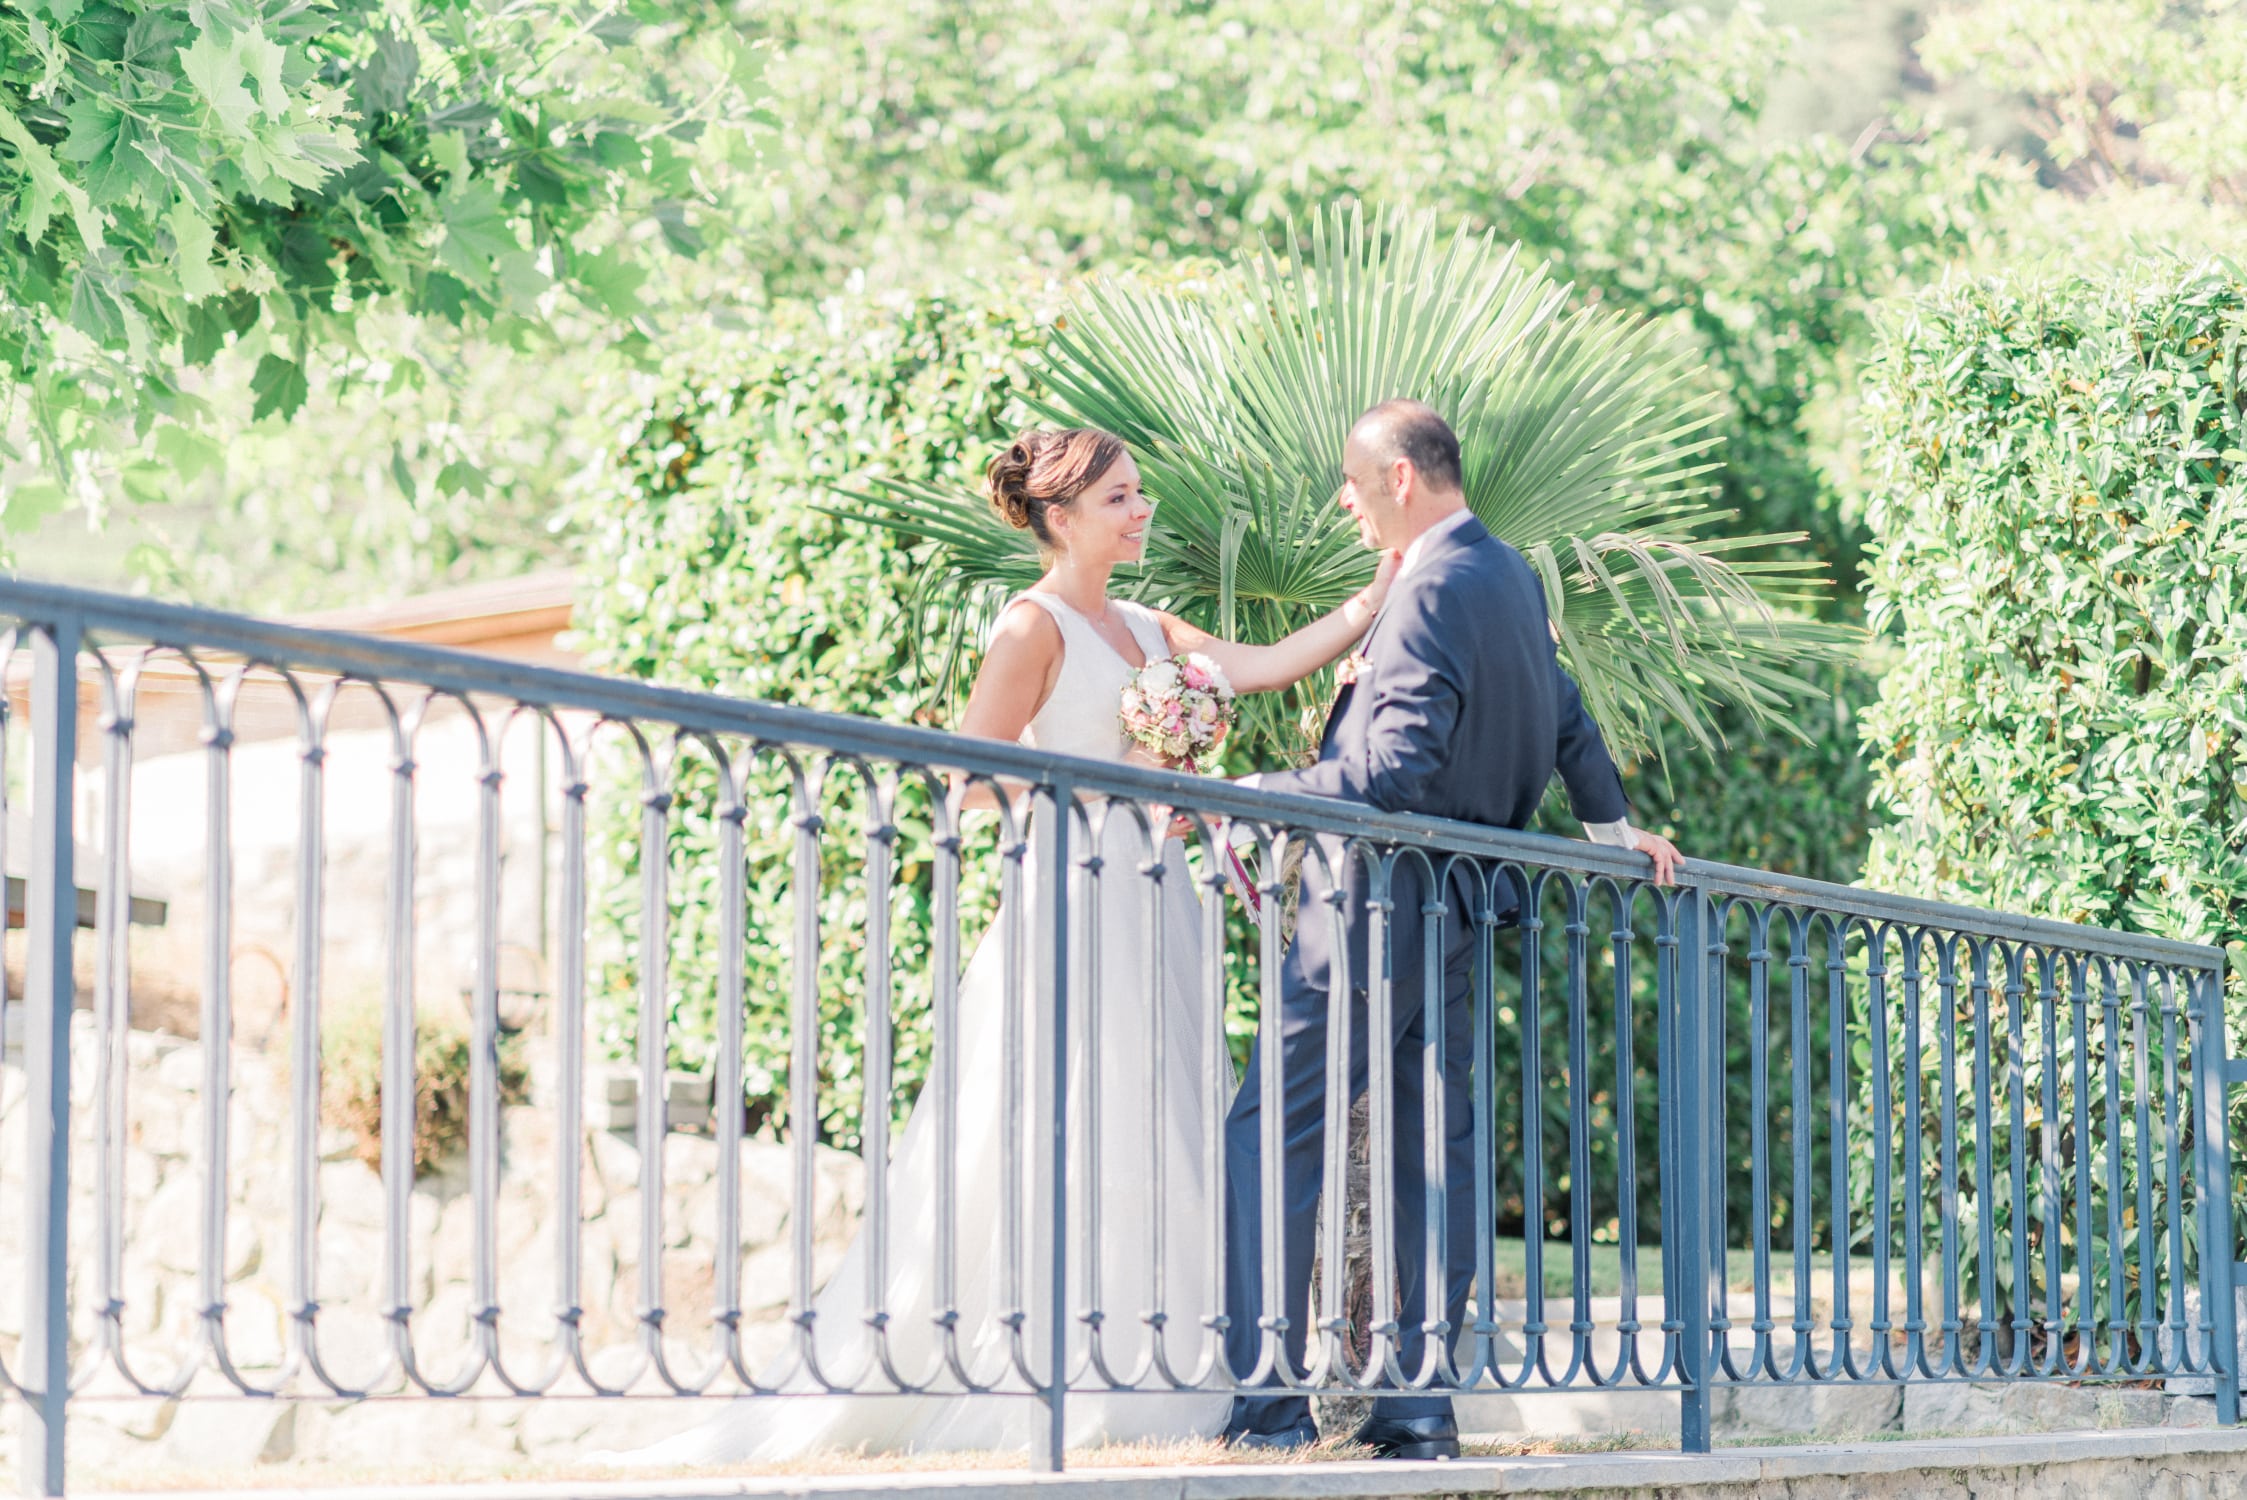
(1251, 898)
(1235, 836)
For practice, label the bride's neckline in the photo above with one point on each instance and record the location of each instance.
(1092, 626)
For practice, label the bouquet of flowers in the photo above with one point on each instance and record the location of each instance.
(1180, 708)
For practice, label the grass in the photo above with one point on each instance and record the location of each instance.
(1607, 1269)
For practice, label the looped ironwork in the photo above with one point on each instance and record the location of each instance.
(1928, 1142)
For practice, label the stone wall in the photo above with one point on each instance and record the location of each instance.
(163, 1185)
(163, 1181)
(170, 841)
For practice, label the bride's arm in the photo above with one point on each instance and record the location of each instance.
(1258, 669)
(1016, 677)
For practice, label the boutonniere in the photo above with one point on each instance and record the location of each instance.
(1351, 666)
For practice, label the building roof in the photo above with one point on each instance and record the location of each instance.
(519, 618)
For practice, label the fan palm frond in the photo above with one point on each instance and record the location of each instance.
(1586, 441)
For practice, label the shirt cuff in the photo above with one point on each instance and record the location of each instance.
(1618, 832)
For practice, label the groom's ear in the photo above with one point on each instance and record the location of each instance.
(1403, 476)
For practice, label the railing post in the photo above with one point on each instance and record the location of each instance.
(1050, 983)
(50, 921)
(2217, 1269)
(1687, 1228)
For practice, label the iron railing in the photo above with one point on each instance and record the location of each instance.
(1748, 1131)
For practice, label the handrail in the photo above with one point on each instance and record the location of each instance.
(466, 672)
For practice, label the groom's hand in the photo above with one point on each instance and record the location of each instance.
(1662, 852)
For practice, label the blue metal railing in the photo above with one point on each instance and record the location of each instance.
(1825, 1135)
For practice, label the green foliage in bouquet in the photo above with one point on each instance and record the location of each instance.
(1584, 439)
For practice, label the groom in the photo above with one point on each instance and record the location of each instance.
(1460, 710)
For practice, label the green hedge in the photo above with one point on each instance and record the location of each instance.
(2060, 540)
(2058, 546)
(1797, 804)
(711, 565)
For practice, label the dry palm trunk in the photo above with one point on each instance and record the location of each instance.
(1338, 1415)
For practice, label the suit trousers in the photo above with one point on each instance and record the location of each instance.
(1303, 1037)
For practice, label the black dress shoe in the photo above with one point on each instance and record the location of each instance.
(1409, 1437)
(1302, 1434)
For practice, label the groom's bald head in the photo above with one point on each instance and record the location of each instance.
(1413, 431)
(1400, 473)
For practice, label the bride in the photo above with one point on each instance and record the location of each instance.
(1058, 660)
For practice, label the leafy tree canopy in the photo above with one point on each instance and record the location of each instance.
(2122, 93)
(1626, 143)
(185, 178)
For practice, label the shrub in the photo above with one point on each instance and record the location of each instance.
(2057, 544)
(1795, 803)
(714, 565)
(2060, 540)
(444, 1052)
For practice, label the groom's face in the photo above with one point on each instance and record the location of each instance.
(1370, 495)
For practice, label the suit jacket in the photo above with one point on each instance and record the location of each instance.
(1461, 710)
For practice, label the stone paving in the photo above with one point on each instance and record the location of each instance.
(2157, 1464)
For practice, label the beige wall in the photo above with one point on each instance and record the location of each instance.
(171, 836)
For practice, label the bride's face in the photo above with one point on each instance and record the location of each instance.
(1107, 522)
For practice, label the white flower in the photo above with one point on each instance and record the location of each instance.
(1159, 679)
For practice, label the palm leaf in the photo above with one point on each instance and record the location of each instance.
(1586, 440)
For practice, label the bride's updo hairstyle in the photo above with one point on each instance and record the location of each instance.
(1044, 467)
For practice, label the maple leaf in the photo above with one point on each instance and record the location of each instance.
(216, 71)
(47, 185)
(280, 386)
(194, 238)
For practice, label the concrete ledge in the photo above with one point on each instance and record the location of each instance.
(2144, 1464)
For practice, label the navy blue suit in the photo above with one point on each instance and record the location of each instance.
(1461, 710)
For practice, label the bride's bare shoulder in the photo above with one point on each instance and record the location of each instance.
(1178, 637)
(1025, 629)
(1019, 669)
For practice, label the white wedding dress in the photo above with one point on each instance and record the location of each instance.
(1080, 718)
